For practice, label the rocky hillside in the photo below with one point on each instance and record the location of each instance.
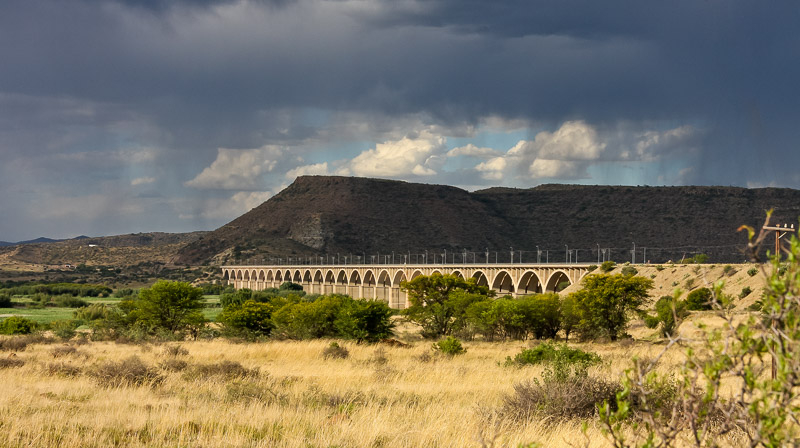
(325, 215)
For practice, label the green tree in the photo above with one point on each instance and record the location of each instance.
(606, 302)
(570, 316)
(432, 305)
(251, 318)
(364, 320)
(172, 306)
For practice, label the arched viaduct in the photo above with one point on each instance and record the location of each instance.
(382, 282)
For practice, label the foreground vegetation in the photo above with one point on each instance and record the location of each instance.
(317, 381)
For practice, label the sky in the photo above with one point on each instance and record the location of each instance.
(124, 116)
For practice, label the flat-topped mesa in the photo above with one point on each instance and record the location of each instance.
(329, 214)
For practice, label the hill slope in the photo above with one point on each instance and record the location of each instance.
(326, 214)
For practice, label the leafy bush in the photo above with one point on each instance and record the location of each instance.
(68, 301)
(606, 303)
(449, 346)
(335, 351)
(689, 284)
(364, 320)
(64, 329)
(659, 268)
(250, 317)
(699, 299)
(549, 352)
(729, 270)
(752, 271)
(669, 314)
(745, 292)
(629, 271)
(129, 372)
(591, 268)
(5, 300)
(17, 325)
(92, 312)
(607, 266)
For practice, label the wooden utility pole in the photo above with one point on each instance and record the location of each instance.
(780, 232)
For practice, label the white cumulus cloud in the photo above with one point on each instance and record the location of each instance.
(415, 154)
(471, 150)
(238, 169)
(305, 170)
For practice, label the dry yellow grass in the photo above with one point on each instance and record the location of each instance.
(298, 399)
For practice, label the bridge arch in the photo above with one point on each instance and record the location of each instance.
(307, 276)
(298, 277)
(287, 276)
(341, 278)
(278, 276)
(399, 276)
(415, 274)
(318, 278)
(247, 275)
(480, 278)
(384, 279)
(457, 273)
(355, 278)
(557, 278)
(503, 283)
(529, 283)
(369, 278)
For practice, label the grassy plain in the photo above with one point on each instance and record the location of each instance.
(381, 396)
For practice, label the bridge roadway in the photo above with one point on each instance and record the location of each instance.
(382, 281)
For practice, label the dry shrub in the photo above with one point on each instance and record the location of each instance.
(173, 365)
(575, 397)
(175, 350)
(225, 369)
(128, 372)
(6, 363)
(379, 357)
(64, 350)
(18, 344)
(335, 351)
(426, 357)
(62, 369)
(242, 390)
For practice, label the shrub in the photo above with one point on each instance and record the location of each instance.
(248, 317)
(92, 312)
(591, 268)
(699, 299)
(64, 329)
(745, 292)
(17, 325)
(62, 369)
(606, 302)
(175, 350)
(17, 344)
(729, 270)
(64, 350)
(173, 365)
(364, 320)
(68, 301)
(128, 372)
(659, 268)
(549, 352)
(607, 266)
(629, 271)
(226, 369)
(449, 346)
(5, 300)
(669, 314)
(6, 363)
(752, 271)
(689, 284)
(566, 391)
(335, 351)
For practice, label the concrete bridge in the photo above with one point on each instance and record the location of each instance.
(382, 281)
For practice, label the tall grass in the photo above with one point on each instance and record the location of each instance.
(281, 394)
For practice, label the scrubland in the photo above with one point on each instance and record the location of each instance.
(283, 393)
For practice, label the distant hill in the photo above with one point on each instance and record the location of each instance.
(327, 214)
(41, 239)
(118, 250)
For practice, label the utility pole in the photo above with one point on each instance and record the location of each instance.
(598, 253)
(512, 254)
(633, 254)
(778, 235)
(566, 254)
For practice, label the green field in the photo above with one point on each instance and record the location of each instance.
(51, 313)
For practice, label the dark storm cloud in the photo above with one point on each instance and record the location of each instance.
(190, 76)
